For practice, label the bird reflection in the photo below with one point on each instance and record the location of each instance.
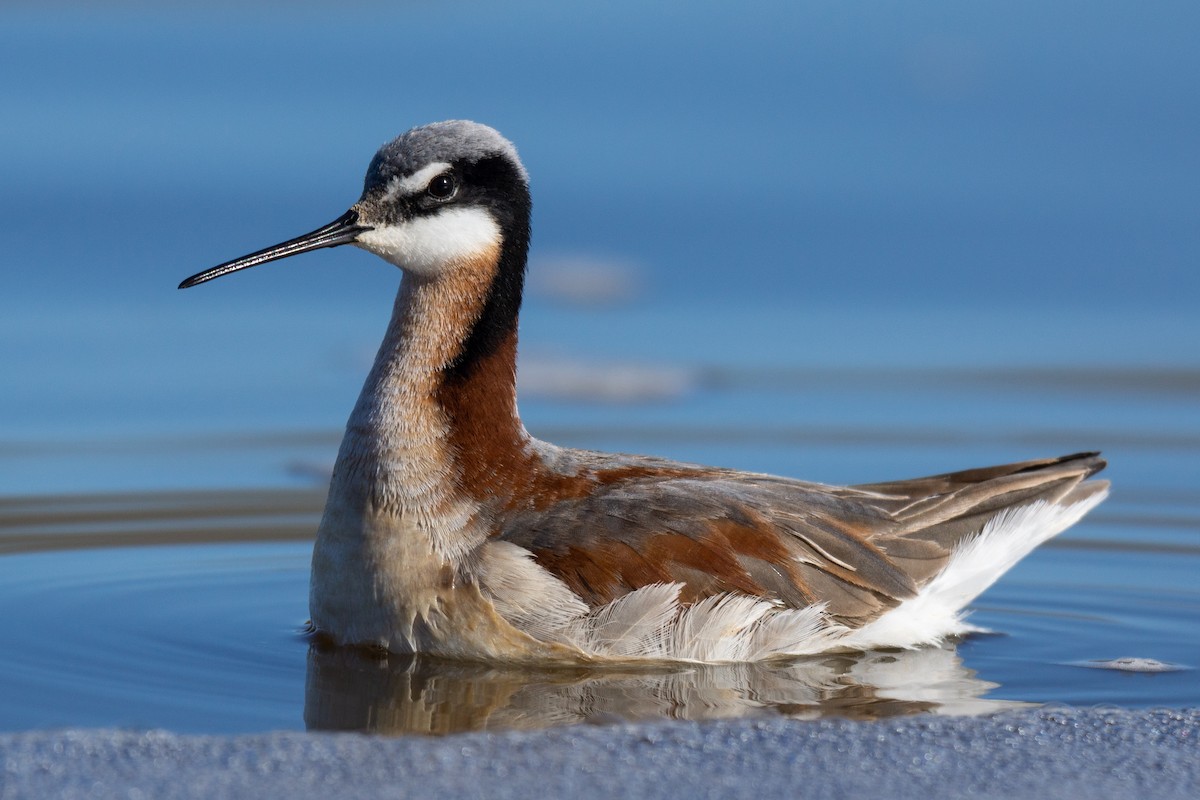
(379, 692)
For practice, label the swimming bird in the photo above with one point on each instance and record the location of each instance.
(450, 530)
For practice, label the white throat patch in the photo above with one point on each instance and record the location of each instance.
(427, 245)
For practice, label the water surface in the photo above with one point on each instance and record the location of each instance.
(186, 609)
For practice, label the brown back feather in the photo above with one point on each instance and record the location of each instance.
(860, 549)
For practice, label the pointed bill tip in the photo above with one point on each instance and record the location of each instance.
(343, 230)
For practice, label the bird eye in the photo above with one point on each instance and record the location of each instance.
(443, 187)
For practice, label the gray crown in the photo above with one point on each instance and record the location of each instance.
(451, 141)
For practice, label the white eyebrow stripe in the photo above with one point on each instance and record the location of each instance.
(399, 187)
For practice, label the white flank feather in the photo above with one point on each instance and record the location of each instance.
(935, 612)
(733, 628)
(650, 623)
(717, 628)
(526, 594)
(633, 626)
(793, 632)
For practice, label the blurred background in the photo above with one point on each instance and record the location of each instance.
(849, 241)
(843, 241)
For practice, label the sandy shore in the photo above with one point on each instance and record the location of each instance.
(1045, 753)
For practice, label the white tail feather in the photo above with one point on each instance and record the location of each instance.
(936, 611)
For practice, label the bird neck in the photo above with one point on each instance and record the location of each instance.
(437, 419)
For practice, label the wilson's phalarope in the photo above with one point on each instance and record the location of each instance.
(450, 530)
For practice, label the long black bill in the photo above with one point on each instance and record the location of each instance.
(343, 230)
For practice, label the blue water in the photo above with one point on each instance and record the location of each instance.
(1036, 163)
(850, 243)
